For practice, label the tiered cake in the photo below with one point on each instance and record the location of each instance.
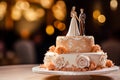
(75, 52)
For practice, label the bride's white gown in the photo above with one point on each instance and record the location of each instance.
(73, 28)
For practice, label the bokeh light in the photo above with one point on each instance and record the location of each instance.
(101, 18)
(30, 15)
(46, 3)
(40, 12)
(59, 10)
(16, 13)
(22, 5)
(3, 7)
(96, 13)
(50, 30)
(25, 33)
(113, 4)
(60, 25)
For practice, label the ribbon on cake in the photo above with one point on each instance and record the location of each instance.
(82, 61)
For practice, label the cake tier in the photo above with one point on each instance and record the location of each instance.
(75, 60)
(76, 44)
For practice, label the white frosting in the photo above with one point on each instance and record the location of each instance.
(79, 60)
(82, 61)
(49, 56)
(103, 60)
(59, 61)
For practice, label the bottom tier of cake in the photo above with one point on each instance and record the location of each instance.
(76, 61)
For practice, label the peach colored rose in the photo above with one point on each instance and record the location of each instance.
(109, 63)
(96, 48)
(52, 48)
(60, 50)
(51, 66)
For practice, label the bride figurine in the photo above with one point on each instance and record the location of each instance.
(73, 28)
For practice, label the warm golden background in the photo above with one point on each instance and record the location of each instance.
(29, 27)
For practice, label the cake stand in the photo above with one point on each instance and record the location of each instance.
(72, 75)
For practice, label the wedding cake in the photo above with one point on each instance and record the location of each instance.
(75, 51)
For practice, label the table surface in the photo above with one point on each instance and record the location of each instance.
(24, 72)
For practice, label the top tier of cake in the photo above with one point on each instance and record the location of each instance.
(75, 44)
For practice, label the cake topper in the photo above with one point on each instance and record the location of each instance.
(81, 20)
(73, 28)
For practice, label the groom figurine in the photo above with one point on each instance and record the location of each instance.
(82, 18)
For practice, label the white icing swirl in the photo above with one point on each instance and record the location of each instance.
(82, 61)
(59, 62)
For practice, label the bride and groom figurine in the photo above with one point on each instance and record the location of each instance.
(74, 30)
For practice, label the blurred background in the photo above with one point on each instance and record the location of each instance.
(29, 27)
